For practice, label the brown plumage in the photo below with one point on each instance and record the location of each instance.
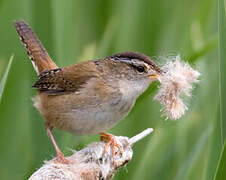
(36, 51)
(63, 81)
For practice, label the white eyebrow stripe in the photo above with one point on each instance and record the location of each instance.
(133, 62)
(139, 62)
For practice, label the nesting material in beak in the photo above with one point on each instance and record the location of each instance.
(176, 81)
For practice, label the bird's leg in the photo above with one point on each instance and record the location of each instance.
(109, 139)
(60, 156)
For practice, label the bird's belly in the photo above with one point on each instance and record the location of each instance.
(92, 120)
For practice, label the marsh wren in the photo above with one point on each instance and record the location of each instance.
(87, 97)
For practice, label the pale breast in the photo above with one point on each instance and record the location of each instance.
(93, 120)
(94, 109)
(87, 118)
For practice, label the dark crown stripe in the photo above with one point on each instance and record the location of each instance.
(139, 56)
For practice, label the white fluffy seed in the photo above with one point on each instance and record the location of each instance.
(176, 81)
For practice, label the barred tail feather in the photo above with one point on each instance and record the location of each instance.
(35, 50)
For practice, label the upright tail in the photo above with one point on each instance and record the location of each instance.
(36, 51)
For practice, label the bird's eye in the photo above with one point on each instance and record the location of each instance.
(140, 69)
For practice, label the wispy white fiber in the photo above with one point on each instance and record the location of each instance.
(90, 163)
(175, 82)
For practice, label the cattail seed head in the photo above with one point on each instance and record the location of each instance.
(175, 82)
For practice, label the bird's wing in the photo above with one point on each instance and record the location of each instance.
(66, 80)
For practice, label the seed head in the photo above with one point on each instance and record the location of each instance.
(175, 82)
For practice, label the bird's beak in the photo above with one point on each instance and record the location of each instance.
(154, 76)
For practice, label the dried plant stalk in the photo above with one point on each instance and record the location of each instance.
(176, 82)
(89, 163)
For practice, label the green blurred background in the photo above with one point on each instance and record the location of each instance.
(77, 30)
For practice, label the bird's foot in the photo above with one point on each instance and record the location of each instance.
(61, 159)
(109, 139)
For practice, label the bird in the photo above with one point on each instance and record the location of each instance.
(88, 97)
